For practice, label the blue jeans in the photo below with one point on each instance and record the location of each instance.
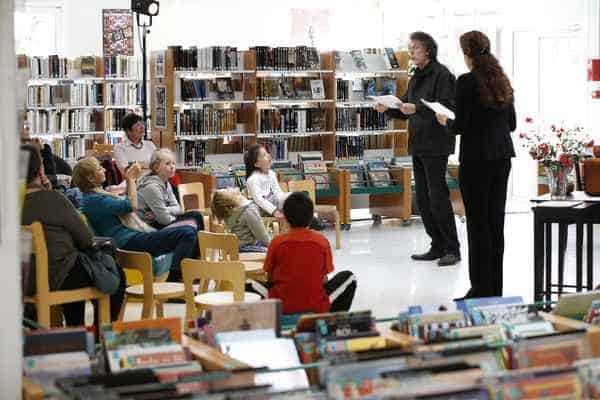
(181, 241)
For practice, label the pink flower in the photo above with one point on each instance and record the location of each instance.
(565, 160)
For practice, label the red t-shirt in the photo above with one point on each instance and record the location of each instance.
(297, 263)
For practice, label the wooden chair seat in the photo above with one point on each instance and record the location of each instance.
(255, 257)
(223, 297)
(324, 208)
(252, 266)
(163, 290)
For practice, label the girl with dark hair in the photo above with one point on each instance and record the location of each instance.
(485, 117)
(261, 182)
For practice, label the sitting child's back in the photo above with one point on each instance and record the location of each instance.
(298, 263)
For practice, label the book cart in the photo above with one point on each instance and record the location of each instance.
(338, 356)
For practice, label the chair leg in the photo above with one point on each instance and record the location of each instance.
(159, 310)
(43, 315)
(562, 247)
(147, 307)
(338, 244)
(123, 306)
(104, 310)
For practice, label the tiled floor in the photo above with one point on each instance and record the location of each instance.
(388, 280)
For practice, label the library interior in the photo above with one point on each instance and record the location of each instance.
(197, 197)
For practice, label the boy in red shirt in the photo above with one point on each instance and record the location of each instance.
(298, 262)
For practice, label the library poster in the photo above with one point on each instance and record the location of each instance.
(117, 32)
(161, 107)
(159, 65)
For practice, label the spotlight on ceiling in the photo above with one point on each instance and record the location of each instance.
(146, 7)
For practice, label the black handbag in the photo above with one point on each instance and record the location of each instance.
(99, 262)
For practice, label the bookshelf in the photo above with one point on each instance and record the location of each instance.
(74, 103)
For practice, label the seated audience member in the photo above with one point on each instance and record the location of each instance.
(67, 236)
(157, 203)
(298, 262)
(105, 212)
(133, 147)
(242, 218)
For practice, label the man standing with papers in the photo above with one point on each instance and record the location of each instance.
(430, 144)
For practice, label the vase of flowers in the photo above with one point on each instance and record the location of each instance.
(558, 148)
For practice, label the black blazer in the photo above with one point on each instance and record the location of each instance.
(426, 136)
(485, 131)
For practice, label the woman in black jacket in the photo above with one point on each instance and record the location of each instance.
(485, 117)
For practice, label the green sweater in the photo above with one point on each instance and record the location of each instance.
(245, 222)
(65, 232)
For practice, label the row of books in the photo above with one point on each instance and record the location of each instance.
(76, 94)
(213, 58)
(202, 89)
(378, 60)
(190, 153)
(51, 66)
(359, 119)
(56, 67)
(360, 89)
(123, 93)
(53, 122)
(290, 88)
(292, 120)
(287, 58)
(122, 66)
(350, 147)
(277, 147)
(113, 118)
(71, 148)
(206, 121)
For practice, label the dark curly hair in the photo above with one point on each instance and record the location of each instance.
(494, 86)
(428, 43)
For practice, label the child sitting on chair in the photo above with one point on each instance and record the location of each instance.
(297, 265)
(242, 218)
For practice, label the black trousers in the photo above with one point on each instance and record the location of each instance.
(340, 289)
(483, 186)
(74, 313)
(433, 200)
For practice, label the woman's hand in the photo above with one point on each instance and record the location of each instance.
(278, 214)
(133, 171)
(408, 108)
(441, 118)
(380, 108)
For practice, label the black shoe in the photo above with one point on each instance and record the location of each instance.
(448, 259)
(316, 225)
(429, 256)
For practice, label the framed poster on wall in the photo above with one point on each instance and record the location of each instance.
(117, 32)
(160, 102)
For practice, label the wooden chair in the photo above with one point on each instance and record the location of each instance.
(308, 186)
(44, 298)
(225, 247)
(191, 197)
(231, 272)
(153, 289)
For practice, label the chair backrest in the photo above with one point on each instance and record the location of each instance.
(194, 270)
(40, 250)
(225, 244)
(306, 185)
(140, 262)
(284, 186)
(191, 196)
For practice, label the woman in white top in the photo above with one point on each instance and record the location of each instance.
(133, 148)
(261, 182)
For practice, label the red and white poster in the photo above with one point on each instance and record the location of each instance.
(117, 32)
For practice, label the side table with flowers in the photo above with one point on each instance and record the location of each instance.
(558, 148)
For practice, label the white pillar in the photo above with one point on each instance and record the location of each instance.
(10, 291)
(593, 51)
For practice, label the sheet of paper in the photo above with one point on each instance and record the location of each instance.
(439, 108)
(388, 100)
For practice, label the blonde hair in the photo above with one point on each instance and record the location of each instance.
(158, 156)
(223, 203)
(84, 172)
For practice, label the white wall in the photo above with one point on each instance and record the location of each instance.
(10, 302)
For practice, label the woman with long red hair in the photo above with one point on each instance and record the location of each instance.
(485, 117)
